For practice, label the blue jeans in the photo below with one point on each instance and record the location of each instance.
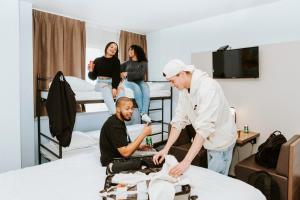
(219, 161)
(104, 86)
(141, 94)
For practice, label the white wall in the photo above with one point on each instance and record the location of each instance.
(10, 153)
(269, 102)
(26, 82)
(273, 23)
(266, 24)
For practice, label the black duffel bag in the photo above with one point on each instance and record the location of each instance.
(268, 152)
(131, 164)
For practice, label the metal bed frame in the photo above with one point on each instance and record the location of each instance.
(40, 101)
(162, 121)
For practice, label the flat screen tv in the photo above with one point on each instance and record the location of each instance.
(236, 63)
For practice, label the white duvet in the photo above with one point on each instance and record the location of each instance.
(85, 91)
(82, 177)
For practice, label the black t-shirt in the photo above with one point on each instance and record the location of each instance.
(109, 67)
(113, 136)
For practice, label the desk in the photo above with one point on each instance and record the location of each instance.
(241, 141)
(244, 138)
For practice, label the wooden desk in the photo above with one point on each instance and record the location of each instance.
(244, 138)
(241, 141)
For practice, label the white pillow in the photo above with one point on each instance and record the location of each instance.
(79, 141)
(94, 134)
(78, 84)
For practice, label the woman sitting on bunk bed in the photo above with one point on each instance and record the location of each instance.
(133, 72)
(106, 70)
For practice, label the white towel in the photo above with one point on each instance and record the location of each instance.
(162, 185)
(130, 179)
(161, 189)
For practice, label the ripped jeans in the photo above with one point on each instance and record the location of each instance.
(219, 161)
(105, 87)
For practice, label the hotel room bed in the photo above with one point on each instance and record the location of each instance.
(82, 177)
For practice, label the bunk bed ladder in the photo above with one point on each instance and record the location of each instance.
(39, 102)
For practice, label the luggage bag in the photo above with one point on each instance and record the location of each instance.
(182, 192)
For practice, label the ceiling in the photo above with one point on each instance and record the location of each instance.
(142, 16)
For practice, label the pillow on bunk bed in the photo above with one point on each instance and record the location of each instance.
(79, 141)
(93, 134)
(78, 84)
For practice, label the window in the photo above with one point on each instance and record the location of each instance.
(91, 54)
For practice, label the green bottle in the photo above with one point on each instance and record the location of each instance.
(149, 141)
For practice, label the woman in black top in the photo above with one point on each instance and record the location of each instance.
(106, 70)
(133, 71)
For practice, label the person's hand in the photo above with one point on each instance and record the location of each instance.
(123, 75)
(147, 130)
(91, 66)
(160, 156)
(179, 169)
(114, 92)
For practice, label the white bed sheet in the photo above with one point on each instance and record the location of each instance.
(82, 177)
(84, 91)
(93, 95)
(46, 154)
(81, 95)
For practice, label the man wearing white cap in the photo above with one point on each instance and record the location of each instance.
(201, 103)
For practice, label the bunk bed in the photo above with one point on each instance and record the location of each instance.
(49, 147)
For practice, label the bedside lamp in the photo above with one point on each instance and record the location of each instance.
(233, 112)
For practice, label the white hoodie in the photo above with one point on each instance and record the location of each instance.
(207, 109)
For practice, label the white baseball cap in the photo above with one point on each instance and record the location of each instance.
(175, 66)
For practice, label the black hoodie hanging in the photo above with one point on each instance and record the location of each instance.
(61, 109)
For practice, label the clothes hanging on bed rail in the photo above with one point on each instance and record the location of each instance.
(61, 108)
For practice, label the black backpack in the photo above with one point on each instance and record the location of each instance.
(268, 152)
(266, 184)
